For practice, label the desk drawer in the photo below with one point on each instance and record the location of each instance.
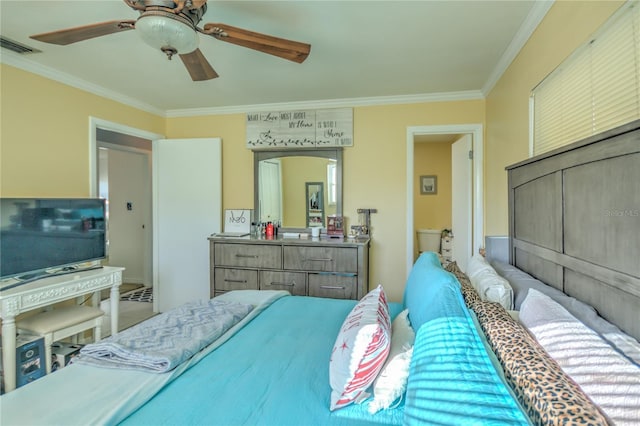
(235, 279)
(293, 282)
(326, 259)
(334, 286)
(248, 256)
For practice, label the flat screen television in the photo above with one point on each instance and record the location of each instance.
(43, 236)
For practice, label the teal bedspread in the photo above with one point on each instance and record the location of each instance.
(274, 372)
(453, 380)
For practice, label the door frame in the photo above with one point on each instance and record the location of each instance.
(476, 132)
(98, 123)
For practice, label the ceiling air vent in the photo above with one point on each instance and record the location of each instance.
(16, 47)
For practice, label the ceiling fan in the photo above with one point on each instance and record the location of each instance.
(172, 27)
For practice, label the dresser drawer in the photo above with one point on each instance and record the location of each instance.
(248, 256)
(294, 282)
(329, 259)
(335, 286)
(235, 279)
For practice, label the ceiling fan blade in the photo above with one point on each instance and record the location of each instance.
(198, 66)
(283, 48)
(85, 32)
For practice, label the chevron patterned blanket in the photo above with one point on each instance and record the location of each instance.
(163, 342)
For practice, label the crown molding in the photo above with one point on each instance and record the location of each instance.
(18, 61)
(331, 103)
(531, 22)
(13, 59)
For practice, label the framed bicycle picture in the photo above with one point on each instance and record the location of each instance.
(428, 185)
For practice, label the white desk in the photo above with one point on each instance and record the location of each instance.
(47, 291)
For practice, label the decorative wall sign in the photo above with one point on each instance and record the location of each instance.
(300, 129)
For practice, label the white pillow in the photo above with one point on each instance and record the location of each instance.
(361, 348)
(477, 263)
(514, 314)
(606, 376)
(392, 380)
(492, 287)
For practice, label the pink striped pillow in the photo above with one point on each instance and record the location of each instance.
(360, 350)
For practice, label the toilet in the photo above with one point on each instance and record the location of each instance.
(429, 240)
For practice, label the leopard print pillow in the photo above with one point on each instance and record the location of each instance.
(544, 390)
(471, 296)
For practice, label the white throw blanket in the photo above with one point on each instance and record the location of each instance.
(166, 340)
(107, 396)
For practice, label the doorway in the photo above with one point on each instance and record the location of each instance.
(475, 214)
(125, 154)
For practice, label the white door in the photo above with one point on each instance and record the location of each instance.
(461, 207)
(128, 194)
(270, 191)
(187, 208)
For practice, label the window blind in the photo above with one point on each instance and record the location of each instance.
(595, 89)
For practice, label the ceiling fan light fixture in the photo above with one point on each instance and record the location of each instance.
(168, 30)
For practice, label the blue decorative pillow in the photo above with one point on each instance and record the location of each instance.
(424, 285)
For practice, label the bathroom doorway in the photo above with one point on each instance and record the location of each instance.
(466, 205)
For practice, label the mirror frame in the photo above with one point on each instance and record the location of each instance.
(319, 153)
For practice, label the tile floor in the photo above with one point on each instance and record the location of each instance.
(130, 313)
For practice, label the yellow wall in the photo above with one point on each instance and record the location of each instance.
(44, 134)
(374, 171)
(44, 152)
(567, 25)
(432, 211)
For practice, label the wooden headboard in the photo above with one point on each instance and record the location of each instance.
(574, 222)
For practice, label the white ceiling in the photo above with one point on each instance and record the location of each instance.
(361, 51)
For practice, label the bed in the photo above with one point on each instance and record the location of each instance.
(450, 353)
(273, 367)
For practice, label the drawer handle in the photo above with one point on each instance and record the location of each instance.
(283, 284)
(250, 256)
(229, 280)
(319, 259)
(332, 287)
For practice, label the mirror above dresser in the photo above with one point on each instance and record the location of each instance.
(281, 190)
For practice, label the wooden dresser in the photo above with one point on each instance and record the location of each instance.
(322, 268)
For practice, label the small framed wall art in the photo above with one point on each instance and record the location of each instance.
(428, 185)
